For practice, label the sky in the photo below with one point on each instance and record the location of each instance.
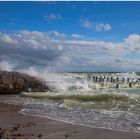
(70, 36)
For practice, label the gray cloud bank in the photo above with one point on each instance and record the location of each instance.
(54, 51)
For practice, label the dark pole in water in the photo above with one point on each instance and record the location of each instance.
(130, 85)
(117, 79)
(111, 80)
(117, 86)
(96, 78)
(103, 79)
(100, 79)
(123, 79)
(107, 79)
(128, 80)
(93, 78)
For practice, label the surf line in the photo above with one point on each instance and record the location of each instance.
(22, 111)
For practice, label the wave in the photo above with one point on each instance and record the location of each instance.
(97, 118)
(27, 113)
(110, 101)
(121, 105)
(82, 97)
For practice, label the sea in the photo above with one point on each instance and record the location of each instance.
(98, 100)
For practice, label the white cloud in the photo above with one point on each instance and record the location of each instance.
(87, 24)
(95, 26)
(102, 27)
(133, 38)
(44, 49)
(132, 43)
(53, 16)
(77, 36)
(56, 34)
(4, 38)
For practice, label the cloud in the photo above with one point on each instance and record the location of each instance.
(53, 16)
(4, 38)
(56, 34)
(77, 36)
(34, 50)
(95, 26)
(132, 43)
(103, 27)
(86, 23)
(133, 38)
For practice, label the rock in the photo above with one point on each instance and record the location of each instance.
(2, 134)
(15, 82)
(66, 135)
(39, 136)
(15, 128)
(19, 134)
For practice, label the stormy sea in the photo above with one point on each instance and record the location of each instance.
(99, 100)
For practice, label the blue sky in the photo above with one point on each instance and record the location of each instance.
(85, 34)
(123, 17)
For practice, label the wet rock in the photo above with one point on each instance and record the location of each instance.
(15, 128)
(66, 135)
(14, 82)
(19, 134)
(2, 134)
(39, 136)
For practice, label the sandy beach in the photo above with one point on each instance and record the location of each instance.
(15, 125)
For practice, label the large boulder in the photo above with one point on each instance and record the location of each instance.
(14, 82)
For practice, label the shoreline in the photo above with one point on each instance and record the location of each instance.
(16, 125)
(47, 117)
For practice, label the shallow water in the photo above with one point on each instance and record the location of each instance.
(79, 101)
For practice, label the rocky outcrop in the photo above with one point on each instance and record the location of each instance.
(14, 82)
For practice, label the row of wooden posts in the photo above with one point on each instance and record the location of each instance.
(108, 79)
(116, 80)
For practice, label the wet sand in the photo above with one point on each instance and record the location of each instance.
(15, 125)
